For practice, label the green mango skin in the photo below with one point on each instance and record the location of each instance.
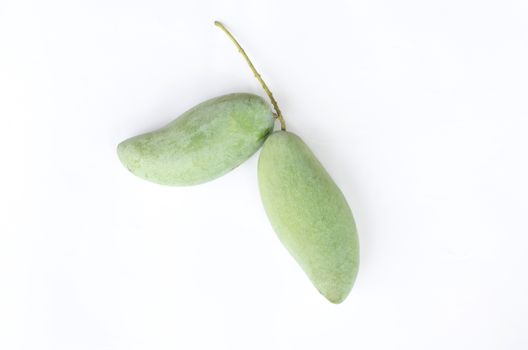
(309, 214)
(202, 144)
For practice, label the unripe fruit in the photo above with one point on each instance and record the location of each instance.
(309, 214)
(202, 144)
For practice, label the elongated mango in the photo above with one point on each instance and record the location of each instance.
(309, 214)
(202, 144)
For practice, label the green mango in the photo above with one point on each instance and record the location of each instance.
(202, 144)
(309, 214)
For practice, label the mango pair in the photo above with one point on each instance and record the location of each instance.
(305, 207)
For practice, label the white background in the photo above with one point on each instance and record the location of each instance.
(418, 109)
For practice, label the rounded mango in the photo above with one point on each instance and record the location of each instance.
(309, 214)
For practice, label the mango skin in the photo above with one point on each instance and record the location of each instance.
(202, 144)
(309, 214)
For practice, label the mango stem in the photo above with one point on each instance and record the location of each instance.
(257, 75)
